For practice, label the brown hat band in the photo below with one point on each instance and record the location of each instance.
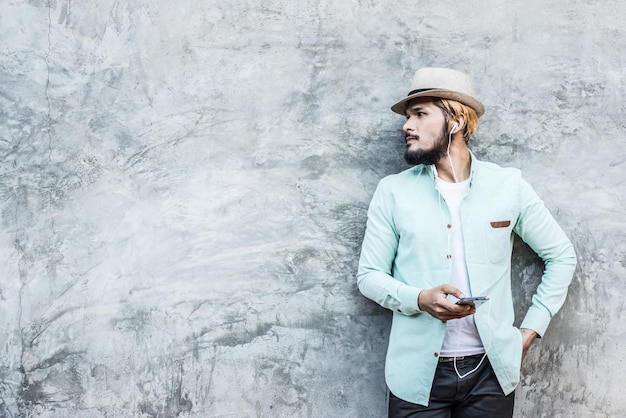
(421, 90)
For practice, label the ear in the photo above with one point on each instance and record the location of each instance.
(460, 121)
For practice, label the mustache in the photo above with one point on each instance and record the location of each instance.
(407, 136)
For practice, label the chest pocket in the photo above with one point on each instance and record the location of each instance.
(499, 239)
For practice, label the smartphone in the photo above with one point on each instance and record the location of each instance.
(472, 300)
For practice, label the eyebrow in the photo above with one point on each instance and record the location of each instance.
(414, 109)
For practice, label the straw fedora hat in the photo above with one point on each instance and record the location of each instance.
(444, 83)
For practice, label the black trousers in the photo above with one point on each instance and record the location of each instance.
(477, 395)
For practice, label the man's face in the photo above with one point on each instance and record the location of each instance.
(426, 132)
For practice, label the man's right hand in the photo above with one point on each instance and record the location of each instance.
(434, 302)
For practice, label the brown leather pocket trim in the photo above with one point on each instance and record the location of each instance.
(500, 224)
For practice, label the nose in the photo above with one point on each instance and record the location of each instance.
(408, 126)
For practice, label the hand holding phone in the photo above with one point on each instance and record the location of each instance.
(473, 300)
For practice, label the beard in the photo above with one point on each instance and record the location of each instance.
(431, 156)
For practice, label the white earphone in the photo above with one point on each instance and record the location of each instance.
(454, 127)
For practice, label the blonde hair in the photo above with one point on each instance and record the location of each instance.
(451, 109)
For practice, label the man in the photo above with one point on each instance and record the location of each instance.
(443, 230)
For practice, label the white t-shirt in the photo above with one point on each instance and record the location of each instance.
(461, 337)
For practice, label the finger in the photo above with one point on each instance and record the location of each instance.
(453, 307)
(457, 313)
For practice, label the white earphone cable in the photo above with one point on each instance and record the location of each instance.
(484, 355)
(456, 180)
(449, 232)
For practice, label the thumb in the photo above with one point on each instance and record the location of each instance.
(448, 289)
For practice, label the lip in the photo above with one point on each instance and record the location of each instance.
(410, 140)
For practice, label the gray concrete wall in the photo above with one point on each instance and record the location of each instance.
(184, 187)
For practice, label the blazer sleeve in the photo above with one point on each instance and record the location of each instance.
(378, 252)
(538, 228)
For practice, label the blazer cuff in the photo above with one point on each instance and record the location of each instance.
(537, 318)
(408, 300)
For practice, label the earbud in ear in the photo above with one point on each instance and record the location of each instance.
(454, 127)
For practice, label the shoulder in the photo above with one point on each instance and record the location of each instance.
(400, 179)
(487, 171)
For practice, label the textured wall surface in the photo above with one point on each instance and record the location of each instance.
(184, 186)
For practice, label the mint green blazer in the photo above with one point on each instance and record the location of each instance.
(405, 250)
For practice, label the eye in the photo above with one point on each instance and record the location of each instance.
(418, 114)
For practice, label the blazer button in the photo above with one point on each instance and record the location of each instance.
(436, 354)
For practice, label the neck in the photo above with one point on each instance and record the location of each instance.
(459, 159)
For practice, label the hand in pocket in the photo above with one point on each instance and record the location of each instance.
(528, 336)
